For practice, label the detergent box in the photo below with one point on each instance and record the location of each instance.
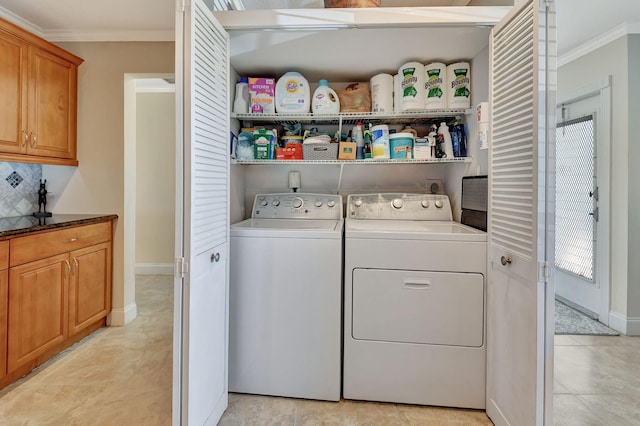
(262, 94)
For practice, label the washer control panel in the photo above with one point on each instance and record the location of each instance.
(399, 206)
(297, 206)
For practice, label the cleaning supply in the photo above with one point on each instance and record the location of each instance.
(435, 142)
(242, 100)
(292, 94)
(261, 94)
(359, 139)
(483, 124)
(380, 142)
(382, 93)
(435, 86)
(367, 143)
(412, 86)
(244, 147)
(264, 143)
(325, 99)
(401, 145)
(459, 140)
(459, 85)
(445, 140)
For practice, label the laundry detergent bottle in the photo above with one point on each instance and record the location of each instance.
(292, 94)
(325, 99)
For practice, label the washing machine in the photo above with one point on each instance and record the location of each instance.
(285, 297)
(415, 292)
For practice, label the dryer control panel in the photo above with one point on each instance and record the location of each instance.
(297, 206)
(399, 206)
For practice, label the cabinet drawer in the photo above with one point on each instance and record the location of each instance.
(4, 255)
(40, 246)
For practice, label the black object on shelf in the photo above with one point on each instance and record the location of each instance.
(42, 201)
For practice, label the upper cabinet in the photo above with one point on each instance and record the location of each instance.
(38, 85)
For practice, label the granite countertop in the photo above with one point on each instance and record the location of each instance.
(12, 226)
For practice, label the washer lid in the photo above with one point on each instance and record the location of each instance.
(412, 230)
(288, 228)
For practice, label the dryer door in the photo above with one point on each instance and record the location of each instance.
(439, 308)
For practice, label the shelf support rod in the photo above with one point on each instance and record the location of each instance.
(340, 178)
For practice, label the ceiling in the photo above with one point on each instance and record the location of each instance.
(153, 20)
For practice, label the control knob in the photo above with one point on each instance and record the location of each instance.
(397, 203)
(318, 203)
(263, 203)
(439, 204)
(331, 203)
(425, 203)
(275, 203)
(357, 203)
(297, 203)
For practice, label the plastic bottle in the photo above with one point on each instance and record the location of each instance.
(241, 102)
(367, 143)
(459, 140)
(325, 99)
(292, 93)
(359, 138)
(443, 131)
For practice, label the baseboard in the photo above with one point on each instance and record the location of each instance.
(122, 316)
(154, 268)
(625, 325)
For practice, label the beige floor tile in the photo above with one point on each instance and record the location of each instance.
(619, 410)
(569, 411)
(564, 340)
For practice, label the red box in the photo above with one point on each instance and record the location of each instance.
(293, 151)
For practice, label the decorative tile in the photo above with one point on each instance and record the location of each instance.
(14, 179)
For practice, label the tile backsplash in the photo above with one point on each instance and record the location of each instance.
(19, 184)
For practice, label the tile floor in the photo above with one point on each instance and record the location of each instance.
(122, 376)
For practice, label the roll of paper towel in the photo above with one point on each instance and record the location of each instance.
(382, 93)
(435, 86)
(483, 124)
(412, 86)
(459, 85)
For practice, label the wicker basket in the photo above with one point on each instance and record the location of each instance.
(351, 3)
(320, 151)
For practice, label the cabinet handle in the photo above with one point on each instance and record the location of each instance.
(75, 265)
(68, 267)
(215, 257)
(34, 140)
(26, 138)
(72, 240)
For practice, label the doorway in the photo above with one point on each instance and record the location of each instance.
(582, 201)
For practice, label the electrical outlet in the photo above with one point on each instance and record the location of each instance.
(435, 186)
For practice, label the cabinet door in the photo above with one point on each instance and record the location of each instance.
(4, 296)
(37, 308)
(90, 286)
(13, 84)
(52, 105)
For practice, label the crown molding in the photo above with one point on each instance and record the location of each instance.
(88, 35)
(599, 41)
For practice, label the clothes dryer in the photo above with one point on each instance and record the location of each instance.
(415, 295)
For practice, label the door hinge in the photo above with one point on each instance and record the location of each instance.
(543, 272)
(181, 267)
(595, 214)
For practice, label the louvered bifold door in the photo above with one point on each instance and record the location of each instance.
(203, 180)
(520, 226)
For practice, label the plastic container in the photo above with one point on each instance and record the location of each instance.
(358, 138)
(435, 86)
(292, 94)
(459, 85)
(244, 147)
(380, 142)
(382, 93)
(325, 99)
(401, 145)
(411, 86)
(241, 103)
(443, 132)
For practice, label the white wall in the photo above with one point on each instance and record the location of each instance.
(633, 303)
(612, 60)
(155, 181)
(97, 185)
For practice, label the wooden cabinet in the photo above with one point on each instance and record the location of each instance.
(4, 301)
(38, 85)
(59, 290)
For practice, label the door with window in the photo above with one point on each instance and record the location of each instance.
(581, 203)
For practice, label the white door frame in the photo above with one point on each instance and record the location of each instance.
(601, 89)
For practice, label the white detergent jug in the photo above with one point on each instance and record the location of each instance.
(325, 99)
(292, 94)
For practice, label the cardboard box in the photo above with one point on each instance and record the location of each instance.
(293, 151)
(347, 151)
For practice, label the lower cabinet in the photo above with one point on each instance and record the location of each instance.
(4, 304)
(38, 294)
(58, 290)
(90, 286)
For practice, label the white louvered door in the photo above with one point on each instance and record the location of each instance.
(202, 216)
(520, 303)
